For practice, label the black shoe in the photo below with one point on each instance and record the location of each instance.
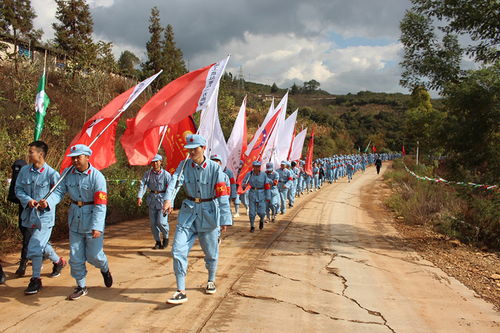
(177, 298)
(252, 229)
(165, 243)
(108, 279)
(22, 268)
(2, 276)
(57, 268)
(77, 293)
(261, 224)
(157, 246)
(34, 286)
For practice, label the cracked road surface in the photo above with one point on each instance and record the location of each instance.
(333, 263)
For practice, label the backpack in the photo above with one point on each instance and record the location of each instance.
(16, 167)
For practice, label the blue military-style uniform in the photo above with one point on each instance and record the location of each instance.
(294, 171)
(204, 210)
(284, 184)
(34, 184)
(87, 212)
(258, 195)
(273, 204)
(157, 183)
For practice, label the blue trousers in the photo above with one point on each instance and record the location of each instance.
(291, 193)
(283, 197)
(273, 205)
(183, 242)
(159, 223)
(84, 248)
(39, 248)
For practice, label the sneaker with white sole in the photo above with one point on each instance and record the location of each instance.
(177, 298)
(210, 288)
(236, 215)
(77, 293)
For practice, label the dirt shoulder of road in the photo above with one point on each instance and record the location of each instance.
(477, 269)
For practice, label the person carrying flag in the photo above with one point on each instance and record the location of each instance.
(87, 213)
(33, 183)
(156, 180)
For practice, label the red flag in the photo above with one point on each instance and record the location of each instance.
(175, 102)
(374, 149)
(174, 142)
(403, 151)
(291, 143)
(308, 167)
(103, 150)
(257, 148)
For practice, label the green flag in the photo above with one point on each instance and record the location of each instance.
(41, 104)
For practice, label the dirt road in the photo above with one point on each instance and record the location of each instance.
(333, 263)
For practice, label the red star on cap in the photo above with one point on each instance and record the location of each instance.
(191, 140)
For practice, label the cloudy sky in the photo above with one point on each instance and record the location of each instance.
(346, 45)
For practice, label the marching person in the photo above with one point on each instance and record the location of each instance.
(258, 195)
(294, 171)
(33, 182)
(378, 164)
(25, 234)
(284, 184)
(204, 211)
(228, 173)
(273, 204)
(86, 218)
(156, 180)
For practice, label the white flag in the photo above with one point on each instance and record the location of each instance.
(211, 130)
(298, 145)
(237, 139)
(285, 138)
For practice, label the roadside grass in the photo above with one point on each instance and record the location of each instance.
(469, 215)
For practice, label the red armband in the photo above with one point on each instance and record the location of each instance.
(232, 181)
(275, 182)
(290, 178)
(221, 189)
(267, 186)
(100, 198)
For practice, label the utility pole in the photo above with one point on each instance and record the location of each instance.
(418, 146)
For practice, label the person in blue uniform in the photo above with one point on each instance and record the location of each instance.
(33, 182)
(156, 180)
(284, 184)
(258, 195)
(204, 211)
(294, 171)
(274, 202)
(86, 187)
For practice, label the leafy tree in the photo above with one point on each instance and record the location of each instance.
(172, 57)
(73, 34)
(154, 63)
(311, 86)
(274, 88)
(105, 60)
(127, 63)
(17, 18)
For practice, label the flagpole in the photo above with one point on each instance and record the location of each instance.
(120, 111)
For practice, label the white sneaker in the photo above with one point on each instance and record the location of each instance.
(210, 288)
(236, 215)
(177, 298)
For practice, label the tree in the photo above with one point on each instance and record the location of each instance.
(17, 18)
(311, 86)
(294, 90)
(105, 60)
(423, 122)
(73, 34)
(274, 88)
(127, 63)
(154, 63)
(174, 65)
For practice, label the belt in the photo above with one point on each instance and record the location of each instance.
(198, 200)
(82, 203)
(158, 192)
